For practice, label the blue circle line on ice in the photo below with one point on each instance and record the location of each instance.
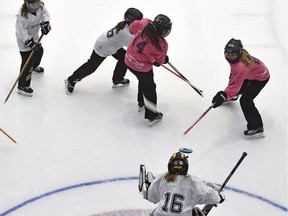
(267, 201)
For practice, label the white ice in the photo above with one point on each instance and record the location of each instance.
(80, 154)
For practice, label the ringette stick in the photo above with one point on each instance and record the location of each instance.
(185, 80)
(188, 129)
(207, 208)
(23, 69)
(195, 88)
(8, 135)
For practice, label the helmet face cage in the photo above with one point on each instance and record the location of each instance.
(163, 25)
(33, 5)
(233, 46)
(178, 164)
(132, 14)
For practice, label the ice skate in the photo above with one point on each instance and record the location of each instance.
(38, 70)
(69, 88)
(26, 91)
(155, 120)
(254, 133)
(141, 107)
(122, 83)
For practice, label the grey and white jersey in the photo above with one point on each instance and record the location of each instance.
(180, 196)
(111, 41)
(27, 28)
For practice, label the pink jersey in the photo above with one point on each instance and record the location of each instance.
(141, 54)
(240, 72)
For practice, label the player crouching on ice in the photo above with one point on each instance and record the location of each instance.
(248, 77)
(176, 192)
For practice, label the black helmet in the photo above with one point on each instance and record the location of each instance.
(178, 164)
(32, 5)
(162, 25)
(233, 46)
(132, 14)
(31, 1)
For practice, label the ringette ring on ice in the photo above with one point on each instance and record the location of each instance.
(185, 150)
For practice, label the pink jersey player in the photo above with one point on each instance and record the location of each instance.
(248, 77)
(147, 49)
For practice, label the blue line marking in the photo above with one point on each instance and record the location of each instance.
(283, 208)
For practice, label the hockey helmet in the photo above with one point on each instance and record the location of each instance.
(233, 46)
(132, 14)
(178, 164)
(32, 5)
(162, 25)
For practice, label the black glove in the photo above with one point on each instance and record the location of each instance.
(222, 197)
(197, 212)
(166, 59)
(45, 27)
(156, 64)
(219, 98)
(30, 43)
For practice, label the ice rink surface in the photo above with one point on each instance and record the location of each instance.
(79, 155)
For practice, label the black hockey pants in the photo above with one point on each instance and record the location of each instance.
(25, 78)
(250, 89)
(95, 61)
(147, 88)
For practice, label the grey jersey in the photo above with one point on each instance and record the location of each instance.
(180, 196)
(27, 28)
(111, 41)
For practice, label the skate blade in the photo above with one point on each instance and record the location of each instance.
(20, 92)
(120, 86)
(154, 122)
(255, 136)
(141, 108)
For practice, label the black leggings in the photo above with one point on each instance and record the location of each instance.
(95, 61)
(250, 89)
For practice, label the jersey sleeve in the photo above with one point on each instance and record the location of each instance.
(137, 26)
(45, 15)
(21, 28)
(236, 80)
(154, 190)
(207, 195)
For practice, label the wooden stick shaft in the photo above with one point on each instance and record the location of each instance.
(23, 69)
(8, 135)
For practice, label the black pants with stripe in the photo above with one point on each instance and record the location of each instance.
(25, 78)
(147, 92)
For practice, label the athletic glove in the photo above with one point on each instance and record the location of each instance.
(197, 212)
(219, 98)
(156, 64)
(166, 59)
(222, 196)
(45, 27)
(30, 43)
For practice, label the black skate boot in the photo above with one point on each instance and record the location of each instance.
(26, 91)
(38, 70)
(155, 120)
(69, 86)
(254, 133)
(122, 83)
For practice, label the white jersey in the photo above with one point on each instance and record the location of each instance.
(181, 196)
(27, 28)
(111, 41)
